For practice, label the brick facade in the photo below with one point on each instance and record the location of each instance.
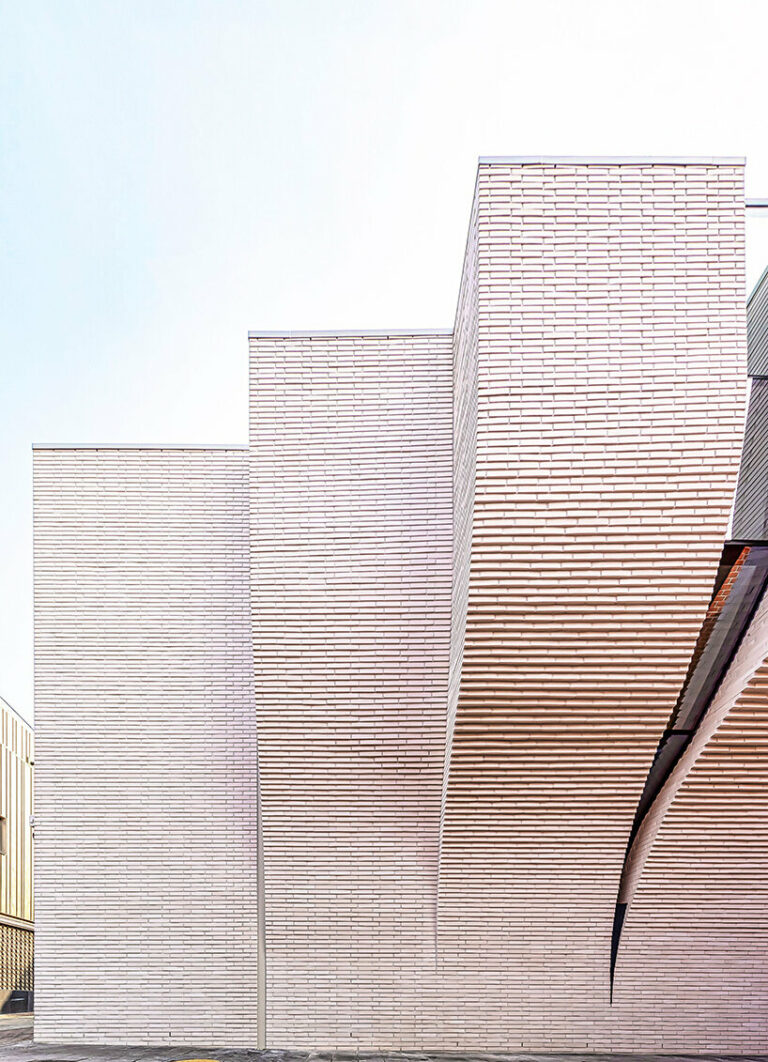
(452, 591)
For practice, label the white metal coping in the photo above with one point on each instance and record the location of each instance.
(139, 446)
(614, 160)
(331, 333)
(18, 715)
(16, 923)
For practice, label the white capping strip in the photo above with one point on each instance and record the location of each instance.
(757, 286)
(19, 716)
(16, 923)
(612, 160)
(384, 333)
(756, 204)
(139, 446)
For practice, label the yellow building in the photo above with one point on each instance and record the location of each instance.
(16, 890)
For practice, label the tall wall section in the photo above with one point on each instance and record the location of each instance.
(610, 378)
(146, 801)
(696, 876)
(464, 446)
(351, 580)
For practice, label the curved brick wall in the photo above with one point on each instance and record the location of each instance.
(693, 948)
(455, 585)
(610, 327)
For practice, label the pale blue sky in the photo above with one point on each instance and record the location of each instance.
(174, 173)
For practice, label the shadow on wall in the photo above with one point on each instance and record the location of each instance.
(18, 1000)
(17, 970)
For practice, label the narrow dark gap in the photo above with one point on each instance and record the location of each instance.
(739, 586)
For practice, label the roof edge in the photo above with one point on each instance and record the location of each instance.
(614, 160)
(139, 446)
(19, 716)
(380, 333)
(757, 289)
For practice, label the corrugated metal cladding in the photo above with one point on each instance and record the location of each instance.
(456, 582)
(17, 911)
(16, 767)
(750, 516)
(757, 329)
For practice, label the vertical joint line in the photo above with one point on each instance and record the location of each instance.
(261, 930)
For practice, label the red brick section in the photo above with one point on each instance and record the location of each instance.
(714, 610)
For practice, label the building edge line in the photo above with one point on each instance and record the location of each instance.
(352, 333)
(612, 160)
(139, 446)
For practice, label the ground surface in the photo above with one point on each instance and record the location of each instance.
(16, 1045)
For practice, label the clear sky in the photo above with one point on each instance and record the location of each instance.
(175, 172)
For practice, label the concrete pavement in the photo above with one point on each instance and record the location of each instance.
(17, 1045)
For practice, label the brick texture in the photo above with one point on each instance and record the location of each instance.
(351, 577)
(146, 801)
(458, 580)
(611, 361)
(693, 948)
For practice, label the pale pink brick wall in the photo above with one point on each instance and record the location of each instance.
(611, 388)
(601, 320)
(351, 577)
(595, 382)
(146, 745)
(692, 956)
(464, 447)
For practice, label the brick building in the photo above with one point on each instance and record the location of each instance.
(435, 716)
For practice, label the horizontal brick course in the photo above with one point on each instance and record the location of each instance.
(146, 800)
(457, 581)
